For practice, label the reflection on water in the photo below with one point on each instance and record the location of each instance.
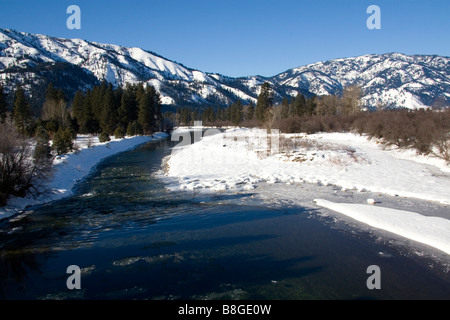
(134, 240)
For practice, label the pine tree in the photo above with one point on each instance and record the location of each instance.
(140, 90)
(235, 112)
(77, 107)
(251, 111)
(62, 141)
(311, 105)
(178, 117)
(3, 105)
(185, 117)
(158, 116)
(108, 117)
(264, 103)
(42, 149)
(128, 110)
(134, 128)
(97, 99)
(195, 115)
(90, 123)
(208, 115)
(285, 107)
(117, 99)
(148, 109)
(22, 112)
(119, 133)
(298, 106)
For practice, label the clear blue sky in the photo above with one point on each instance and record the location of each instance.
(244, 37)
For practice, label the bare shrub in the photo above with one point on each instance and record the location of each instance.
(19, 173)
(288, 144)
(289, 125)
(313, 124)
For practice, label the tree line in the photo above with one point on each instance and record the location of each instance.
(248, 114)
(25, 151)
(426, 131)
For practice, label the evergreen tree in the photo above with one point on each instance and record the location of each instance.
(119, 133)
(219, 114)
(208, 115)
(90, 123)
(251, 111)
(140, 90)
(97, 99)
(264, 103)
(158, 116)
(22, 112)
(117, 99)
(104, 137)
(128, 110)
(235, 112)
(285, 107)
(134, 128)
(148, 108)
(42, 149)
(3, 105)
(178, 117)
(185, 117)
(62, 141)
(298, 106)
(195, 115)
(77, 107)
(311, 105)
(108, 117)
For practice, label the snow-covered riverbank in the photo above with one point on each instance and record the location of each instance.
(70, 168)
(234, 161)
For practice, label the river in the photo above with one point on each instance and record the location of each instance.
(134, 239)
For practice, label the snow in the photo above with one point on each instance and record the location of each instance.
(240, 159)
(70, 168)
(238, 93)
(342, 159)
(166, 100)
(432, 231)
(201, 77)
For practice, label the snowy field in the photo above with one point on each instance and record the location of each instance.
(242, 159)
(74, 166)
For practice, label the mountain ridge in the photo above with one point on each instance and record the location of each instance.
(389, 80)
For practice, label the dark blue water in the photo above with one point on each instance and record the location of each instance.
(133, 239)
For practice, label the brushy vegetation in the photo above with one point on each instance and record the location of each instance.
(21, 169)
(426, 131)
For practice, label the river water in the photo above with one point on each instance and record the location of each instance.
(134, 239)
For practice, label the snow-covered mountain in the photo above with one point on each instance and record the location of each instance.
(393, 80)
(25, 57)
(390, 80)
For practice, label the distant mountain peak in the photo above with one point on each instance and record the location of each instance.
(391, 79)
